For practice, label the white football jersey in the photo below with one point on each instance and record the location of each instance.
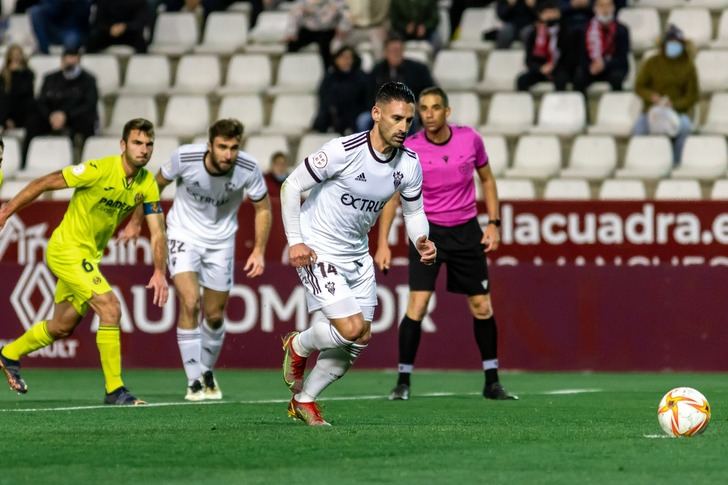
(205, 207)
(354, 183)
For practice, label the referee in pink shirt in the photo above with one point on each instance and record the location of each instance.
(448, 155)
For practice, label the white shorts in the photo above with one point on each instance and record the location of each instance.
(340, 289)
(214, 267)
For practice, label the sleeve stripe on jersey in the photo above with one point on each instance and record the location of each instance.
(259, 198)
(409, 152)
(191, 157)
(412, 199)
(353, 141)
(246, 165)
(351, 147)
(310, 171)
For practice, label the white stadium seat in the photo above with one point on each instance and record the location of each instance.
(703, 157)
(247, 74)
(197, 74)
(248, 108)
(720, 190)
(712, 66)
(593, 157)
(225, 32)
(465, 108)
(663, 5)
(175, 33)
(310, 142)
(456, 69)
(298, 72)
(501, 71)
(164, 146)
(473, 23)
(616, 114)
(717, 5)
(185, 116)
(497, 150)
(100, 146)
(105, 68)
(292, 114)
(509, 114)
(269, 33)
(10, 188)
(695, 24)
(618, 189)
(644, 26)
(127, 107)
(42, 64)
(147, 74)
(685, 189)
(46, 154)
(11, 156)
(721, 38)
(648, 157)
(20, 31)
(561, 114)
(567, 189)
(717, 118)
(262, 147)
(515, 189)
(536, 157)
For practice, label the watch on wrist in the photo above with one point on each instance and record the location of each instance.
(495, 222)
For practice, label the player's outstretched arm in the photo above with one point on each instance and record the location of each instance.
(158, 281)
(299, 254)
(263, 220)
(52, 181)
(491, 236)
(383, 256)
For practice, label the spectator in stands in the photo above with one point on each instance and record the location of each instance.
(416, 20)
(668, 85)
(16, 89)
(63, 22)
(342, 94)
(518, 17)
(119, 23)
(320, 22)
(549, 50)
(576, 13)
(369, 20)
(606, 50)
(394, 67)
(279, 169)
(66, 104)
(457, 7)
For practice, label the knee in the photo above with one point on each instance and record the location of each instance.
(190, 306)
(353, 329)
(109, 310)
(481, 309)
(59, 331)
(214, 320)
(417, 308)
(365, 337)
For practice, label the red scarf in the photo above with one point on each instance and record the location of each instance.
(600, 39)
(545, 44)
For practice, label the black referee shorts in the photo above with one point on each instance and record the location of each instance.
(460, 249)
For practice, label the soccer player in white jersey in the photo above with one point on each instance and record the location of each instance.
(351, 178)
(211, 180)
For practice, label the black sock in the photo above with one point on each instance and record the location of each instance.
(486, 336)
(409, 339)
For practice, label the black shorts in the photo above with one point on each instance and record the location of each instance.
(460, 249)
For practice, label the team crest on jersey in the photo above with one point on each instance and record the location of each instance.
(78, 169)
(138, 198)
(229, 187)
(398, 176)
(319, 159)
(331, 287)
(97, 280)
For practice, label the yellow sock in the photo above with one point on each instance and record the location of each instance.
(108, 340)
(35, 338)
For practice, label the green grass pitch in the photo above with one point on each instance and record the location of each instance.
(446, 433)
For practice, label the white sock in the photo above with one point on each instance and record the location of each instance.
(331, 365)
(189, 344)
(212, 341)
(321, 335)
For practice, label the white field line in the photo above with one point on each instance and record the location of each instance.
(271, 401)
(656, 436)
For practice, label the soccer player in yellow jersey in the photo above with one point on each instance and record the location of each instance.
(106, 191)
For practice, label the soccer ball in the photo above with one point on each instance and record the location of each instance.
(683, 411)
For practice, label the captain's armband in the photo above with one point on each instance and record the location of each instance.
(152, 208)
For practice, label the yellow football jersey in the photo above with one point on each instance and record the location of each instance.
(1, 177)
(101, 200)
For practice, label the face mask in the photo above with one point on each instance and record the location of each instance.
(280, 177)
(552, 22)
(72, 72)
(673, 49)
(605, 19)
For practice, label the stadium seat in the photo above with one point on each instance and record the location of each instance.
(127, 107)
(616, 189)
(100, 146)
(663, 5)
(269, 34)
(298, 72)
(197, 74)
(648, 157)
(501, 71)
(10, 188)
(292, 114)
(712, 66)
(644, 26)
(703, 157)
(20, 31)
(185, 116)
(248, 108)
(514, 189)
(720, 190)
(465, 108)
(262, 147)
(694, 22)
(418, 55)
(509, 114)
(310, 142)
(593, 157)
(146, 74)
(456, 69)
(536, 157)
(686, 189)
(474, 22)
(225, 32)
(46, 154)
(717, 118)
(105, 68)
(567, 189)
(247, 74)
(164, 146)
(716, 5)
(11, 156)
(616, 114)
(721, 38)
(561, 114)
(497, 150)
(42, 64)
(175, 33)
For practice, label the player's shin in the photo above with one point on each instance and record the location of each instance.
(409, 340)
(108, 341)
(486, 335)
(331, 365)
(212, 341)
(189, 343)
(35, 338)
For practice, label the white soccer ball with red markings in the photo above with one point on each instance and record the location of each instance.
(683, 411)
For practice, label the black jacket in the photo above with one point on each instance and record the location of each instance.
(16, 101)
(75, 97)
(134, 13)
(342, 96)
(569, 50)
(519, 14)
(620, 58)
(414, 74)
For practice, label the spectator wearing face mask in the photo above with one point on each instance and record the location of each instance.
(279, 169)
(605, 50)
(668, 85)
(66, 104)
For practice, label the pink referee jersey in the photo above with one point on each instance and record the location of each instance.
(447, 174)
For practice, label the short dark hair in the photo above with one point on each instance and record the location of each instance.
(394, 91)
(226, 128)
(437, 91)
(547, 5)
(141, 124)
(393, 37)
(277, 154)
